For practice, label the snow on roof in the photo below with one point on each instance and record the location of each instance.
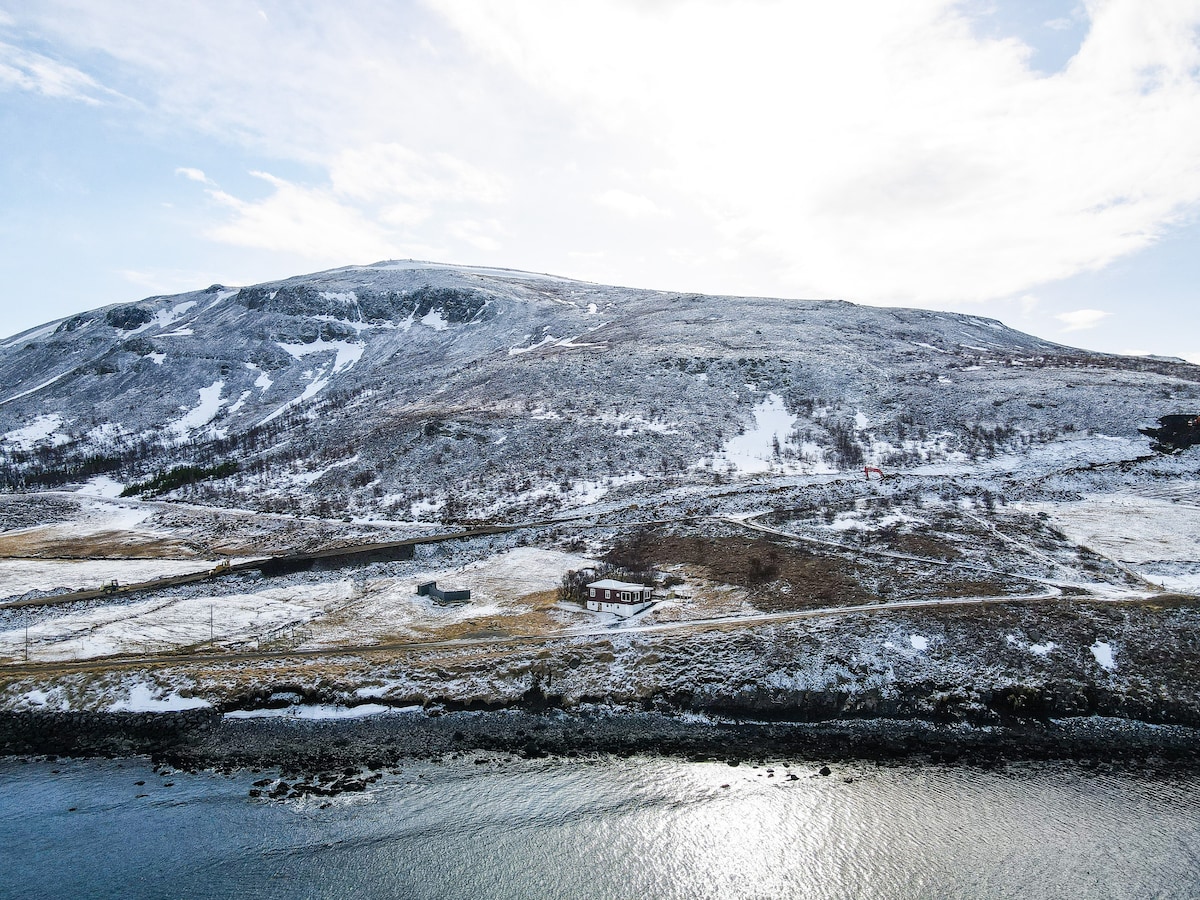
(609, 585)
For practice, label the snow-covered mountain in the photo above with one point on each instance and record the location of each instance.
(420, 390)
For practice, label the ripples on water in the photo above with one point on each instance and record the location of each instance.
(641, 828)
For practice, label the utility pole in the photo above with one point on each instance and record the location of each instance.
(210, 624)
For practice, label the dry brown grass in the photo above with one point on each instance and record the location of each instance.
(760, 566)
(532, 615)
(776, 576)
(50, 543)
(925, 545)
(699, 598)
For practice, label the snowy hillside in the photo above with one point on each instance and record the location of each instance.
(417, 391)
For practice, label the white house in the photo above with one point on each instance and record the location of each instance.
(618, 597)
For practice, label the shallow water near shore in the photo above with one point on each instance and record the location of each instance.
(606, 827)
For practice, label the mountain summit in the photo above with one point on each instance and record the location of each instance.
(416, 390)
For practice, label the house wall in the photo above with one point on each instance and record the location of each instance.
(623, 603)
(624, 609)
(620, 596)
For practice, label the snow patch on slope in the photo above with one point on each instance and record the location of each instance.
(165, 317)
(34, 390)
(306, 478)
(855, 521)
(1103, 653)
(102, 486)
(433, 319)
(222, 296)
(425, 507)
(33, 334)
(204, 412)
(316, 384)
(263, 381)
(348, 352)
(241, 401)
(517, 351)
(753, 451)
(43, 428)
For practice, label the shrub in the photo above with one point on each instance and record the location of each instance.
(178, 477)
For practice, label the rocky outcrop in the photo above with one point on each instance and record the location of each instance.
(128, 317)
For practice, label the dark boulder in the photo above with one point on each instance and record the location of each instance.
(128, 317)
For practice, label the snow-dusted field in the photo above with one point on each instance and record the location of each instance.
(20, 575)
(156, 626)
(1155, 533)
(517, 573)
(376, 608)
(339, 611)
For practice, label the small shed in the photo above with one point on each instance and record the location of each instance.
(621, 597)
(441, 595)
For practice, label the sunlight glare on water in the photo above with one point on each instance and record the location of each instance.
(635, 828)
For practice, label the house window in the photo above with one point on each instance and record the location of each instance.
(608, 595)
(592, 592)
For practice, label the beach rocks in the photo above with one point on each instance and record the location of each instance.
(326, 758)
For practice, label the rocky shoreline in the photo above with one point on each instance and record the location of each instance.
(206, 739)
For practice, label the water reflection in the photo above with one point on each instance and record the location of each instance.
(638, 828)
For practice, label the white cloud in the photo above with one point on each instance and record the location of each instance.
(1082, 319)
(295, 81)
(313, 223)
(881, 151)
(376, 198)
(27, 71)
(633, 205)
(481, 235)
(193, 174)
(364, 173)
(877, 151)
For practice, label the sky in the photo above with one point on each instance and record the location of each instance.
(1035, 162)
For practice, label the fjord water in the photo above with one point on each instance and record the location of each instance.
(621, 828)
